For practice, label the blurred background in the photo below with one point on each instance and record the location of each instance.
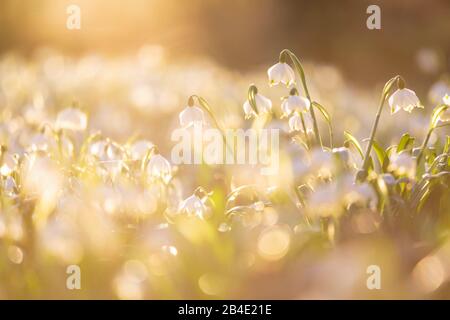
(245, 34)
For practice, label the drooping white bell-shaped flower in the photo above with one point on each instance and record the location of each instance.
(159, 168)
(263, 105)
(294, 102)
(405, 99)
(193, 206)
(281, 72)
(71, 119)
(191, 116)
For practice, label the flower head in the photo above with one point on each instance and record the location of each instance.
(71, 119)
(192, 115)
(446, 100)
(158, 167)
(193, 206)
(263, 105)
(294, 102)
(403, 98)
(281, 72)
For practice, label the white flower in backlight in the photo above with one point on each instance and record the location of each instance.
(263, 105)
(295, 123)
(405, 99)
(192, 115)
(158, 167)
(403, 164)
(281, 73)
(71, 119)
(295, 103)
(193, 206)
(140, 148)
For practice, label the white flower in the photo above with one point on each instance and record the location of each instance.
(192, 115)
(281, 73)
(71, 119)
(438, 90)
(158, 167)
(263, 105)
(295, 123)
(295, 103)
(403, 164)
(405, 99)
(140, 148)
(193, 206)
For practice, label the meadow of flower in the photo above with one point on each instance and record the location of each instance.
(86, 179)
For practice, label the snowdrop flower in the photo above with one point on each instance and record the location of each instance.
(71, 119)
(192, 115)
(193, 206)
(281, 73)
(294, 102)
(158, 167)
(403, 98)
(263, 105)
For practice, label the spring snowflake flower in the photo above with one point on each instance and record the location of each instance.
(8, 164)
(405, 99)
(191, 116)
(158, 167)
(263, 105)
(193, 206)
(445, 115)
(294, 102)
(281, 72)
(71, 119)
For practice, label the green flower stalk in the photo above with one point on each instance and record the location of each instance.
(299, 68)
(434, 124)
(362, 174)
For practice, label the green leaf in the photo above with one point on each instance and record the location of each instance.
(251, 97)
(382, 156)
(323, 111)
(406, 141)
(355, 143)
(436, 113)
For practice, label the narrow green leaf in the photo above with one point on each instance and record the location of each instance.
(355, 143)
(406, 141)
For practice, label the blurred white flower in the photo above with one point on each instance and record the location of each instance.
(294, 103)
(295, 123)
(405, 99)
(193, 206)
(281, 72)
(192, 115)
(71, 119)
(158, 167)
(438, 90)
(263, 105)
(139, 149)
(388, 178)
(403, 164)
